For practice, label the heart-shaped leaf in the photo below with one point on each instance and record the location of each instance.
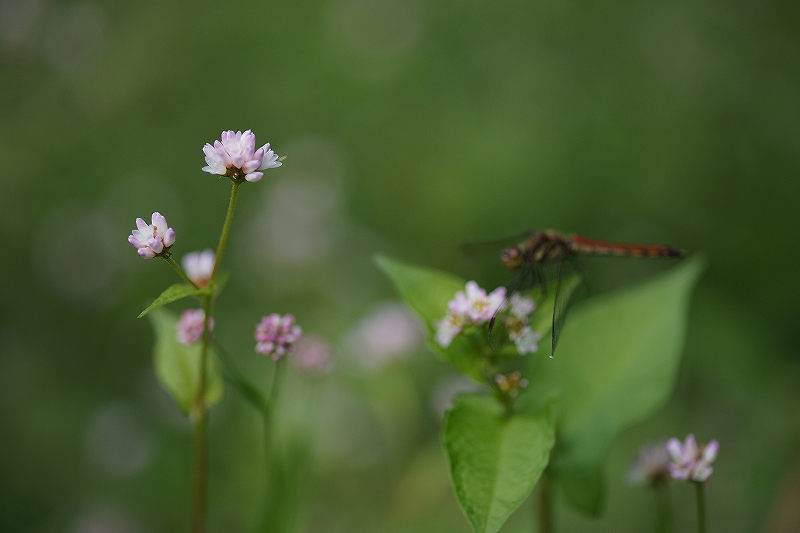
(495, 459)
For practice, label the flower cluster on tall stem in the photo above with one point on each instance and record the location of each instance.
(235, 156)
(691, 462)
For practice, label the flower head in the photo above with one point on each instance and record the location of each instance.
(518, 324)
(236, 157)
(154, 239)
(199, 266)
(313, 355)
(276, 335)
(470, 307)
(690, 462)
(189, 328)
(651, 466)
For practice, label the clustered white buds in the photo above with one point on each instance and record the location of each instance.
(154, 239)
(199, 266)
(276, 335)
(690, 461)
(190, 326)
(473, 307)
(518, 324)
(235, 156)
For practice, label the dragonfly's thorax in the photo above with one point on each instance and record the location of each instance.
(544, 246)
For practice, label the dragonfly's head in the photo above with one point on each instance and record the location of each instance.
(512, 258)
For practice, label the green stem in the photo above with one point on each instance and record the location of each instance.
(179, 270)
(701, 507)
(664, 520)
(226, 229)
(546, 503)
(199, 415)
(199, 412)
(270, 518)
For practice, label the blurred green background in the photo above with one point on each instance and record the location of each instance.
(410, 126)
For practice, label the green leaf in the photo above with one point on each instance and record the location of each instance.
(616, 363)
(427, 291)
(177, 365)
(495, 459)
(172, 294)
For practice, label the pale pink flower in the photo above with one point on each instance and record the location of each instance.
(482, 307)
(199, 266)
(154, 239)
(313, 355)
(651, 466)
(236, 157)
(447, 328)
(470, 307)
(189, 328)
(276, 335)
(690, 462)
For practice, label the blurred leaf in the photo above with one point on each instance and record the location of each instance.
(171, 294)
(177, 365)
(495, 459)
(616, 363)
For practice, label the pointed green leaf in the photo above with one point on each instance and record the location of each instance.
(427, 291)
(616, 363)
(495, 459)
(177, 365)
(171, 294)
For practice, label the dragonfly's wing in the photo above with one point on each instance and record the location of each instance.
(566, 283)
(498, 333)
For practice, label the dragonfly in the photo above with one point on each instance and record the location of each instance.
(545, 248)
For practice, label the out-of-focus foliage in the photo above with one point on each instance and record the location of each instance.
(411, 126)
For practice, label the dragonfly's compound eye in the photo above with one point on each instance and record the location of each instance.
(512, 258)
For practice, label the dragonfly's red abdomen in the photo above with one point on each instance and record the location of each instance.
(584, 246)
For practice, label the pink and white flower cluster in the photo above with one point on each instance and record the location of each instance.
(235, 156)
(471, 307)
(474, 307)
(691, 462)
(199, 266)
(190, 327)
(276, 335)
(153, 239)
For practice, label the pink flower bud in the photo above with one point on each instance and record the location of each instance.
(154, 239)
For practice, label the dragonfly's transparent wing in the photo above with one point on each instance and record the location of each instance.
(498, 333)
(566, 283)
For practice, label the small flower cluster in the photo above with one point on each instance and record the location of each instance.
(690, 462)
(687, 462)
(153, 239)
(510, 384)
(276, 335)
(471, 307)
(189, 328)
(236, 157)
(474, 307)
